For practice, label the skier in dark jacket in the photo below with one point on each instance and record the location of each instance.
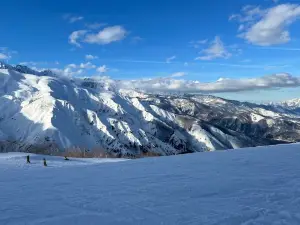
(66, 158)
(45, 162)
(28, 159)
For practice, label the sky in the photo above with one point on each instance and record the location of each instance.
(246, 50)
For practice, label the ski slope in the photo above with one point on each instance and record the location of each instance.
(245, 187)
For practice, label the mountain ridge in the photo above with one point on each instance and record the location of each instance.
(60, 113)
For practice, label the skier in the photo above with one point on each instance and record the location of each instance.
(45, 163)
(28, 159)
(66, 158)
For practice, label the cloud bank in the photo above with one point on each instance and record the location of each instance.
(176, 83)
(170, 84)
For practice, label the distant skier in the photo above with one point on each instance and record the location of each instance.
(28, 159)
(45, 162)
(66, 158)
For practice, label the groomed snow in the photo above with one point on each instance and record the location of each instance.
(18, 159)
(244, 187)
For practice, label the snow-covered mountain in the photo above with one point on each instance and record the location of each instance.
(40, 110)
(292, 104)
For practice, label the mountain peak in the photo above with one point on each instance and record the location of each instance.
(5, 65)
(26, 70)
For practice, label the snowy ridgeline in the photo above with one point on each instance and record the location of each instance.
(245, 187)
(43, 113)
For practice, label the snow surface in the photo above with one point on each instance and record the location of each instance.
(245, 187)
(16, 159)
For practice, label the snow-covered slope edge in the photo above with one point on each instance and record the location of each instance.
(41, 111)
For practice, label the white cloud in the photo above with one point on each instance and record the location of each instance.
(72, 66)
(197, 44)
(215, 50)
(106, 36)
(76, 36)
(73, 69)
(221, 85)
(75, 19)
(87, 65)
(72, 19)
(103, 37)
(174, 82)
(241, 27)
(136, 39)
(90, 57)
(186, 64)
(102, 69)
(30, 63)
(95, 26)
(40, 65)
(267, 27)
(279, 49)
(143, 61)
(249, 13)
(178, 74)
(170, 59)
(202, 41)
(6, 53)
(246, 61)
(69, 70)
(4, 56)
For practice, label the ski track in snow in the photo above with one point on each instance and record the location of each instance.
(244, 187)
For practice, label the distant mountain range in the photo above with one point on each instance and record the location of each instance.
(293, 104)
(55, 113)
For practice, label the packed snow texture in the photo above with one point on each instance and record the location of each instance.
(246, 187)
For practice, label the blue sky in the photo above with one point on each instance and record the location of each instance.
(191, 40)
